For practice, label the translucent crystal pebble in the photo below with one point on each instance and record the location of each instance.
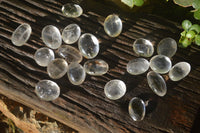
(57, 68)
(71, 33)
(115, 89)
(137, 66)
(157, 83)
(21, 35)
(70, 53)
(167, 47)
(76, 73)
(51, 36)
(113, 25)
(47, 90)
(160, 64)
(44, 56)
(88, 45)
(96, 67)
(143, 47)
(137, 109)
(72, 10)
(179, 71)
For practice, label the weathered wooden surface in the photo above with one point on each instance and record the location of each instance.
(85, 107)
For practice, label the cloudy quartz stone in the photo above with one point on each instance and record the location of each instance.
(72, 10)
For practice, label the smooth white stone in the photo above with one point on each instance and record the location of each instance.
(76, 73)
(51, 36)
(57, 68)
(70, 54)
(88, 45)
(113, 25)
(137, 109)
(137, 66)
(21, 35)
(115, 89)
(167, 47)
(96, 67)
(72, 10)
(160, 64)
(143, 47)
(157, 83)
(44, 56)
(71, 33)
(179, 71)
(47, 90)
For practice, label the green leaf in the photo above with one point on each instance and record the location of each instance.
(186, 24)
(197, 14)
(196, 28)
(138, 2)
(185, 42)
(190, 34)
(184, 3)
(197, 40)
(183, 33)
(196, 4)
(128, 3)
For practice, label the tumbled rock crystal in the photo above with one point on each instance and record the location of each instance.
(72, 10)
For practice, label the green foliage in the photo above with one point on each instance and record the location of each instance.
(131, 3)
(197, 14)
(191, 34)
(196, 4)
(184, 3)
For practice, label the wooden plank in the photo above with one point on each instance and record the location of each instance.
(85, 107)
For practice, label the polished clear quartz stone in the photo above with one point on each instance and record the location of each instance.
(96, 67)
(47, 90)
(167, 47)
(137, 109)
(51, 36)
(143, 47)
(72, 10)
(88, 45)
(21, 35)
(115, 89)
(160, 64)
(76, 73)
(137, 66)
(71, 33)
(113, 25)
(179, 71)
(70, 53)
(57, 68)
(44, 56)
(157, 83)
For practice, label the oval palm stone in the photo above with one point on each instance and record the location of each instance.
(72, 10)
(179, 71)
(47, 90)
(51, 36)
(157, 83)
(137, 66)
(76, 73)
(137, 109)
(96, 67)
(21, 35)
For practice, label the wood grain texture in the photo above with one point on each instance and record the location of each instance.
(85, 107)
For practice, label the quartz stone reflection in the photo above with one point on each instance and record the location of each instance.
(96, 67)
(115, 89)
(47, 90)
(70, 54)
(44, 56)
(21, 35)
(88, 45)
(72, 10)
(160, 64)
(137, 66)
(137, 109)
(113, 25)
(71, 33)
(167, 47)
(143, 47)
(51, 36)
(76, 73)
(179, 71)
(57, 68)
(157, 83)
